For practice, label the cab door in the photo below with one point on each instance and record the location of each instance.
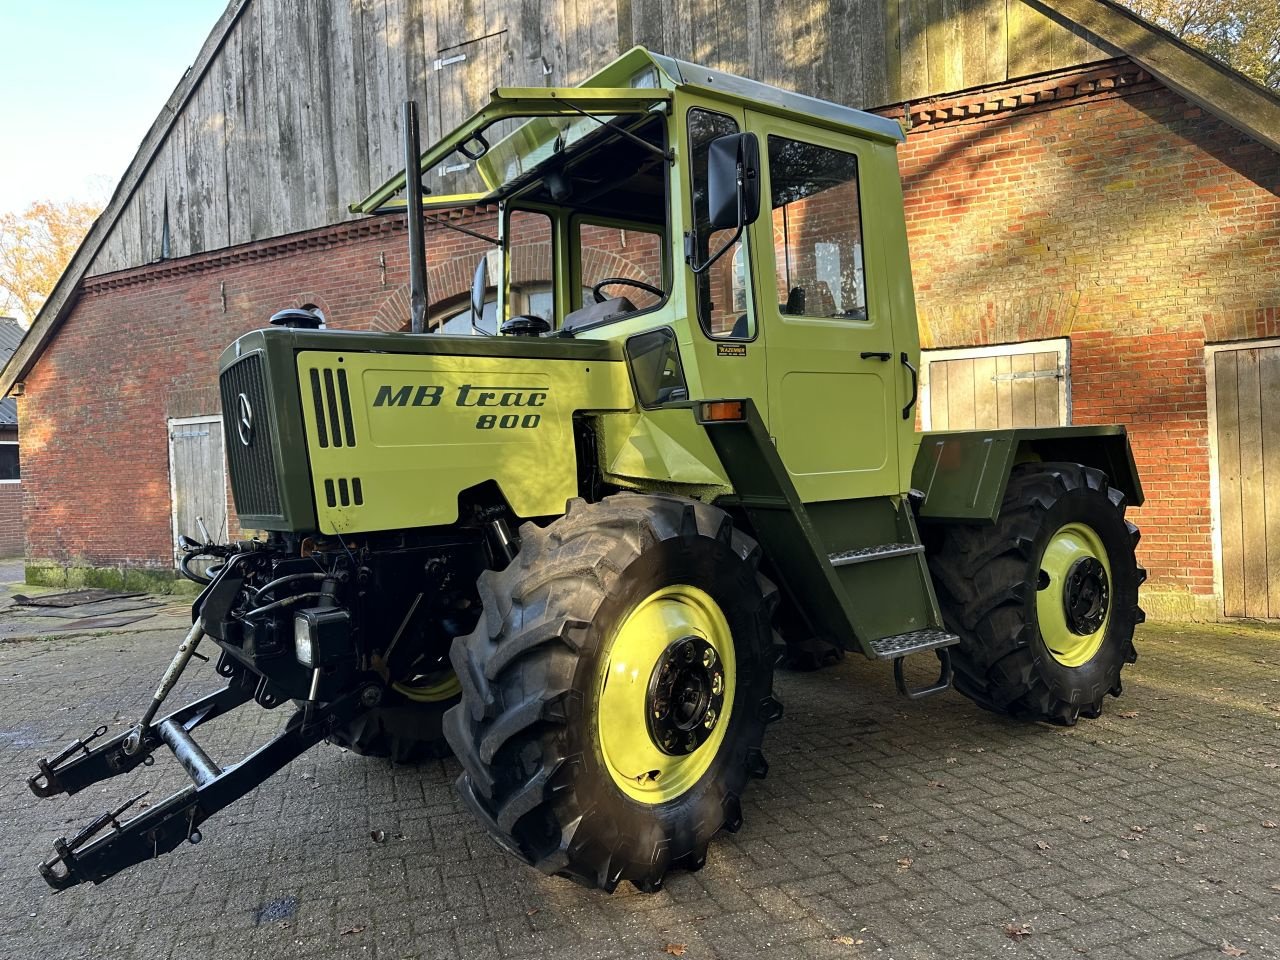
(832, 371)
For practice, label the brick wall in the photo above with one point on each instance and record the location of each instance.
(142, 346)
(1100, 206)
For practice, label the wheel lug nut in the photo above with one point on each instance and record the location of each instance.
(708, 658)
(710, 720)
(717, 683)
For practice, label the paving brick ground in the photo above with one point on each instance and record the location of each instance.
(917, 830)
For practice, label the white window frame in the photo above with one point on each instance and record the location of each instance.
(173, 474)
(1215, 486)
(13, 443)
(1059, 345)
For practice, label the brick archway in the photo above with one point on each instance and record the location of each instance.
(451, 280)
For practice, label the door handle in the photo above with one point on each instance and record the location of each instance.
(915, 386)
(873, 355)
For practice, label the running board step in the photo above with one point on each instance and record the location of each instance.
(917, 641)
(881, 551)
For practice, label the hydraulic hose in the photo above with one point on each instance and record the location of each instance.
(280, 581)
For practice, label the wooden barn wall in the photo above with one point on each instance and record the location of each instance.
(298, 114)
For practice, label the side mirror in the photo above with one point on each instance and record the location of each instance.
(733, 180)
(733, 192)
(479, 283)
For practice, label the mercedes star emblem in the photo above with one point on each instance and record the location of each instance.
(244, 422)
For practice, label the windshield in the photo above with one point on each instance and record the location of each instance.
(603, 191)
(500, 157)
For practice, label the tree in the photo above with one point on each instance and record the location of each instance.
(35, 247)
(1243, 34)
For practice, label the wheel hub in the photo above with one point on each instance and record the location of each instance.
(1073, 594)
(665, 695)
(1085, 596)
(685, 697)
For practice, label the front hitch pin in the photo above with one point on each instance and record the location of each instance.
(64, 850)
(137, 736)
(47, 767)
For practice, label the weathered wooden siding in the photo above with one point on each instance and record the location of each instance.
(298, 111)
(1246, 387)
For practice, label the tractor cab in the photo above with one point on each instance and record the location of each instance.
(746, 241)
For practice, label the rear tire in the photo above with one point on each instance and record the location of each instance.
(546, 735)
(1045, 601)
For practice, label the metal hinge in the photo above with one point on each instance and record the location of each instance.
(1028, 375)
(442, 62)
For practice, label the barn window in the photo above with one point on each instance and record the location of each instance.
(1010, 385)
(10, 471)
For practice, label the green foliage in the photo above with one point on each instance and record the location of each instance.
(1244, 34)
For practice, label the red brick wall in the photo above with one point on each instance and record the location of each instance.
(1103, 207)
(142, 346)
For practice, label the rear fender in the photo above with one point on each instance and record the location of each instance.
(963, 474)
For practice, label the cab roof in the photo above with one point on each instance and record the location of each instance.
(634, 83)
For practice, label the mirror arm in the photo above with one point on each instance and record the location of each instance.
(737, 234)
(703, 267)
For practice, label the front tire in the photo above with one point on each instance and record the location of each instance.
(408, 726)
(1045, 601)
(616, 689)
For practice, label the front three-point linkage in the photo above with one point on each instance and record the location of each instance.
(107, 845)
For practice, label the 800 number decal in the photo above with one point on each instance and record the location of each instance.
(508, 421)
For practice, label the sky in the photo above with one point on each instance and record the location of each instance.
(81, 82)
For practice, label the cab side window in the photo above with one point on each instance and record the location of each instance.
(817, 230)
(722, 289)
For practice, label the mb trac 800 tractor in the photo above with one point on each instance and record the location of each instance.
(567, 534)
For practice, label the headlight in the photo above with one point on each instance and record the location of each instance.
(303, 647)
(322, 636)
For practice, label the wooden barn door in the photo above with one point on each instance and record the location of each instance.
(197, 478)
(1012, 385)
(1244, 393)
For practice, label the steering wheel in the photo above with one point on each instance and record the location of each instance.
(626, 282)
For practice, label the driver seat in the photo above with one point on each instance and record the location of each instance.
(596, 313)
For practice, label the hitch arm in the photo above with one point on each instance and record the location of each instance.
(68, 773)
(176, 819)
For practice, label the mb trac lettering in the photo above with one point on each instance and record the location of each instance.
(469, 395)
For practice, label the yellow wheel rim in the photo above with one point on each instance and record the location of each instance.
(1073, 602)
(636, 662)
(432, 689)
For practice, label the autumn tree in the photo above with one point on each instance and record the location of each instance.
(35, 247)
(1244, 34)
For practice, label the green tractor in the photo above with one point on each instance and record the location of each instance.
(567, 534)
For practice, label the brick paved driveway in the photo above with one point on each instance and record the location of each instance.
(915, 830)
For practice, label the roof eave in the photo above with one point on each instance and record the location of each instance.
(1200, 78)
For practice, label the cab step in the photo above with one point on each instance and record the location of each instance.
(916, 641)
(881, 551)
